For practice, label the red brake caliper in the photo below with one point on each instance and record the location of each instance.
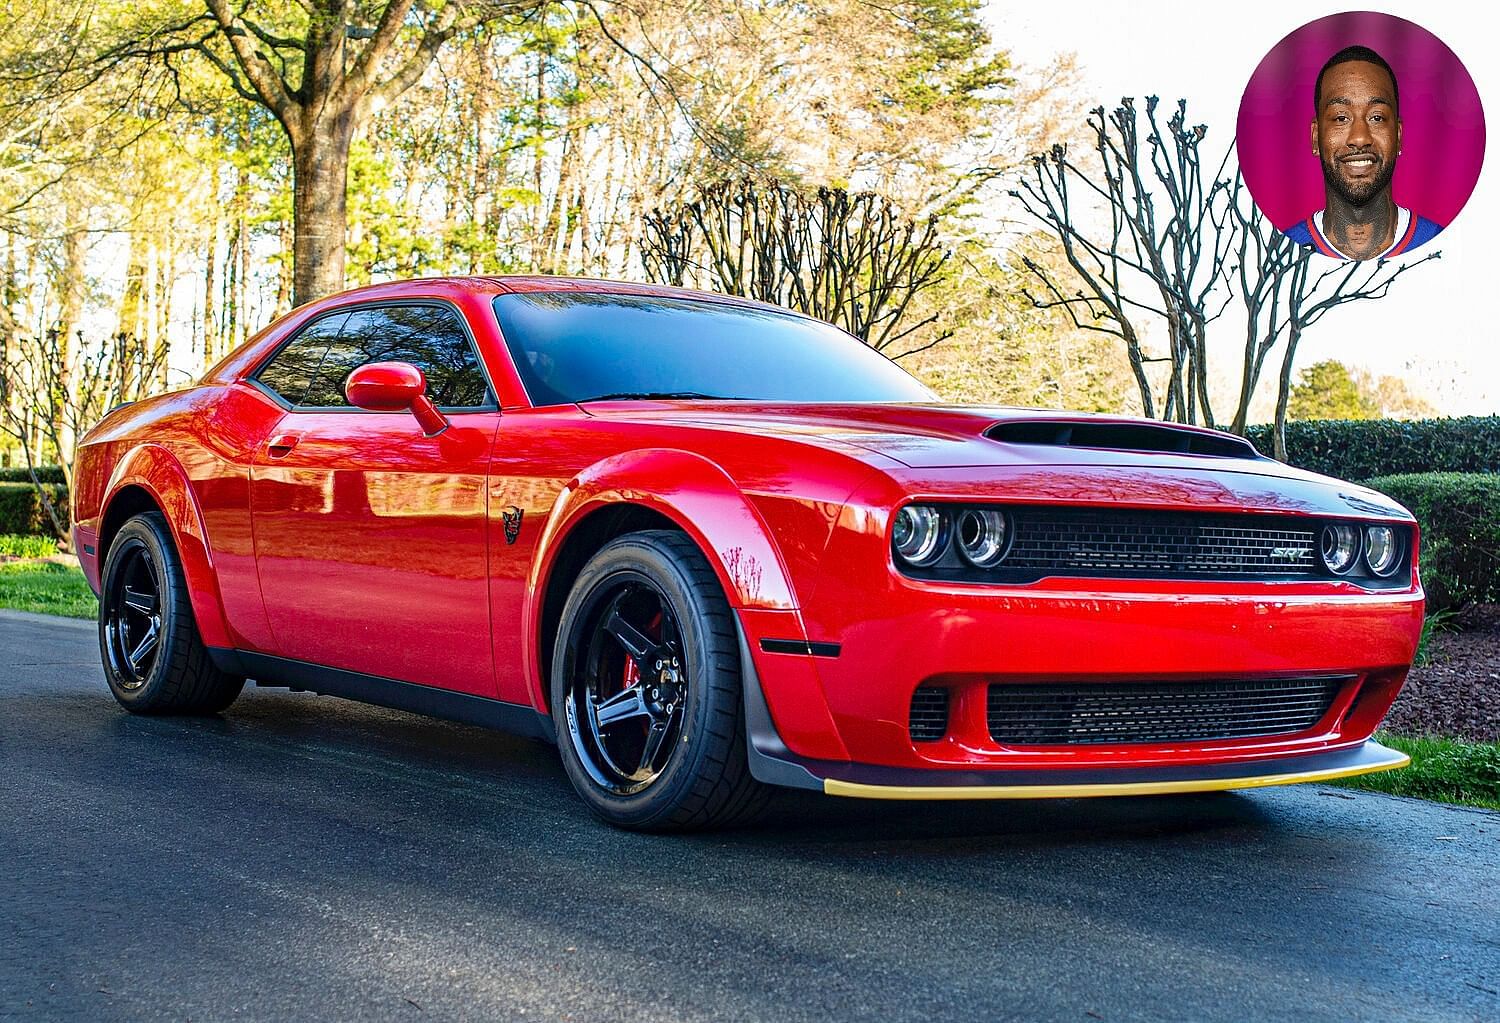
(632, 670)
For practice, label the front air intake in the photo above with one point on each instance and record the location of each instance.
(1122, 437)
(1071, 714)
(929, 714)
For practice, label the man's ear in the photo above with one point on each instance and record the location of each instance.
(1398, 136)
(1312, 132)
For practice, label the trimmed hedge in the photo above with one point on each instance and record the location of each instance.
(1360, 449)
(44, 474)
(21, 509)
(1460, 518)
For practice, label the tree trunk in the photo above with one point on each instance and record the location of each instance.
(242, 274)
(320, 169)
(71, 292)
(210, 265)
(549, 259)
(284, 273)
(1283, 393)
(230, 301)
(168, 269)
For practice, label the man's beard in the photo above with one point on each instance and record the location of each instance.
(1360, 192)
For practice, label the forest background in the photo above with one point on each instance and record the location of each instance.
(147, 205)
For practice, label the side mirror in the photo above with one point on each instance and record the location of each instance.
(395, 387)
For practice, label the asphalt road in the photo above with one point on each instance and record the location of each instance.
(309, 858)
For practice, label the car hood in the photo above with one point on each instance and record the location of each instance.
(956, 436)
(966, 450)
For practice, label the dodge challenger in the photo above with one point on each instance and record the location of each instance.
(711, 547)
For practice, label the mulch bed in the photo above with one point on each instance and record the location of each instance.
(1458, 694)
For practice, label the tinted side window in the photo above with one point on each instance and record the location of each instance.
(429, 337)
(292, 370)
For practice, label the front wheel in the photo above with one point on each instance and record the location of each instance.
(646, 690)
(154, 659)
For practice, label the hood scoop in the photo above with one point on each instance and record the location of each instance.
(1122, 436)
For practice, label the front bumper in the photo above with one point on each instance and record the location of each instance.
(841, 715)
(773, 763)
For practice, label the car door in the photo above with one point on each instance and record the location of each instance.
(370, 539)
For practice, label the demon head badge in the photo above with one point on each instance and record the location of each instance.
(512, 518)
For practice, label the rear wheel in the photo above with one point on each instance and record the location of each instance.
(154, 660)
(646, 690)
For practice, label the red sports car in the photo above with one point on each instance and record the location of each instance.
(711, 547)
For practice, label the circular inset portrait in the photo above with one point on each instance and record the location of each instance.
(1361, 134)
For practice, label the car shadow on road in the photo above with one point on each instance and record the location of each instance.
(528, 771)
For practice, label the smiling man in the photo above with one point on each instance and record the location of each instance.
(1356, 134)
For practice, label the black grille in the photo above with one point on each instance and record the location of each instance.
(929, 714)
(1182, 546)
(1067, 714)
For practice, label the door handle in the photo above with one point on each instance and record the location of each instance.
(281, 445)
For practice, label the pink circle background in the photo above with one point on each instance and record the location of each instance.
(1442, 120)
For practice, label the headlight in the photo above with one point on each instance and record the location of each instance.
(982, 536)
(921, 534)
(1339, 547)
(1382, 550)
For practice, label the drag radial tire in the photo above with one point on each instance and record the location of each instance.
(646, 692)
(154, 660)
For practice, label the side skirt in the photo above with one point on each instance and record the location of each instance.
(281, 672)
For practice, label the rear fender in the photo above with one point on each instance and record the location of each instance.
(156, 471)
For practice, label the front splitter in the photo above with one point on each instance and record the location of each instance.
(886, 783)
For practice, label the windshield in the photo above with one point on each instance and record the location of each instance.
(572, 347)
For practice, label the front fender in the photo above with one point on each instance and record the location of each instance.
(155, 470)
(692, 492)
(695, 494)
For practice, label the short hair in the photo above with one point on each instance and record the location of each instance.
(1349, 55)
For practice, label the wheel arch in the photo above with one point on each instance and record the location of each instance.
(656, 489)
(149, 478)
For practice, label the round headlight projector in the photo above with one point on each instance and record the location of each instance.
(920, 534)
(1339, 547)
(1382, 550)
(982, 536)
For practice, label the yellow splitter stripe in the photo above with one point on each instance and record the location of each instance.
(860, 790)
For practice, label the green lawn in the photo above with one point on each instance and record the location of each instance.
(1445, 770)
(46, 587)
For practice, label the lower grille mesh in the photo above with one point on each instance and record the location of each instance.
(1065, 714)
(929, 714)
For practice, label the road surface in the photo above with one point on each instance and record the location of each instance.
(304, 857)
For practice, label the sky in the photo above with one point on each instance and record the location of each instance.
(1440, 325)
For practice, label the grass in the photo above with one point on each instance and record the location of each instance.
(16, 545)
(1443, 770)
(46, 587)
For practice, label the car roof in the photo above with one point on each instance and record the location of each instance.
(533, 283)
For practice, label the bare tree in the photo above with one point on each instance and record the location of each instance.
(847, 258)
(50, 397)
(1311, 296)
(1150, 236)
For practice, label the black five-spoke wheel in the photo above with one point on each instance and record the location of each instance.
(154, 658)
(627, 706)
(132, 615)
(646, 689)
